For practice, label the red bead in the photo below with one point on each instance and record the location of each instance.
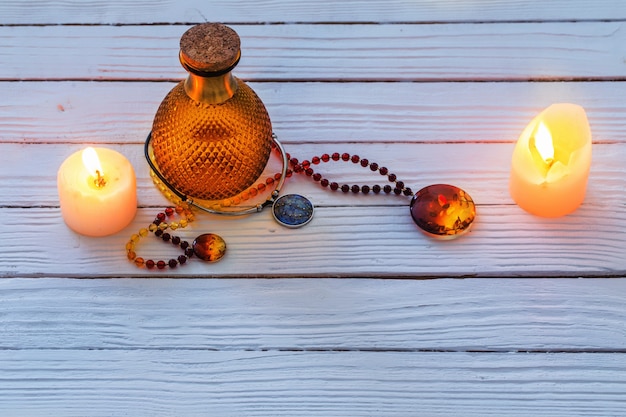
(305, 164)
(400, 184)
(334, 186)
(184, 245)
(315, 160)
(364, 162)
(355, 189)
(277, 177)
(376, 188)
(325, 157)
(269, 181)
(383, 171)
(261, 187)
(294, 161)
(397, 191)
(392, 177)
(387, 189)
(189, 252)
(317, 177)
(336, 156)
(169, 211)
(150, 264)
(309, 172)
(345, 156)
(172, 263)
(158, 232)
(355, 159)
(160, 264)
(166, 237)
(324, 182)
(345, 188)
(175, 240)
(182, 259)
(161, 216)
(373, 166)
(407, 191)
(365, 189)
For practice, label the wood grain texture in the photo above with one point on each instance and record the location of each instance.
(340, 242)
(197, 383)
(482, 169)
(322, 113)
(404, 52)
(277, 11)
(438, 91)
(477, 315)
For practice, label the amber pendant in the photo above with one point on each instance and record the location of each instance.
(209, 247)
(443, 211)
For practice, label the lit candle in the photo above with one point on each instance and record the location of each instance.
(97, 191)
(551, 162)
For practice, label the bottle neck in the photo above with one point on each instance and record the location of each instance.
(211, 90)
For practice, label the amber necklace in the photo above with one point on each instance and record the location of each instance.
(439, 210)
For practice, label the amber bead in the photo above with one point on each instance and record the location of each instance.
(443, 211)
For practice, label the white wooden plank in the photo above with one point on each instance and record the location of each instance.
(149, 11)
(29, 171)
(341, 241)
(197, 383)
(486, 315)
(501, 51)
(122, 112)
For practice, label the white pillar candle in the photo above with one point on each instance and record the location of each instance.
(97, 191)
(551, 162)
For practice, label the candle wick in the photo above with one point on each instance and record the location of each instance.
(99, 181)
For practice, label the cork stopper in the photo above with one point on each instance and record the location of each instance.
(210, 47)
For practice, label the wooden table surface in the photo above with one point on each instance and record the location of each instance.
(358, 313)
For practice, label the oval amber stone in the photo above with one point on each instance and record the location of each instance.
(209, 247)
(443, 211)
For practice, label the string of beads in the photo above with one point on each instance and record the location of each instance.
(159, 227)
(305, 167)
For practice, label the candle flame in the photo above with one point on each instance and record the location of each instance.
(93, 166)
(543, 143)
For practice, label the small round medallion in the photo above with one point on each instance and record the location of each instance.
(443, 211)
(209, 247)
(292, 210)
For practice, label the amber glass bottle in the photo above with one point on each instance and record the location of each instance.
(211, 135)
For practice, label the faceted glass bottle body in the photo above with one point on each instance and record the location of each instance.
(211, 135)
